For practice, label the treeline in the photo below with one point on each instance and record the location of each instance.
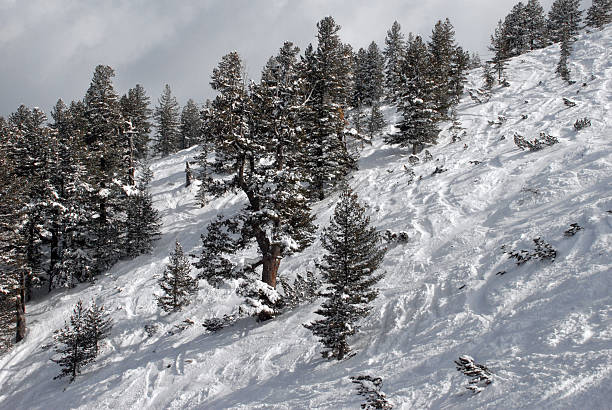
(527, 28)
(75, 194)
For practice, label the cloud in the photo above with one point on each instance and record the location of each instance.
(49, 48)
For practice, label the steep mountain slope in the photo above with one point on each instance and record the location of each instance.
(543, 328)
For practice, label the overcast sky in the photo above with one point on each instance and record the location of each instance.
(49, 48)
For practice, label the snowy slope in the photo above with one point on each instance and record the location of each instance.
(544, 329)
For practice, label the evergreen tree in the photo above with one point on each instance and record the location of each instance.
(459, 65)
(204, 172)
(191, 125)
(376, 122)
(360, 78)
(418, 125)
(564, 20)
(499, 49)
(135, 109)
(488, 76)
(143, 221)
(535, 25)
(353, 254)
(515, 30)
(566, 49)
(374, 75)
(108, 147)
(97, 325)
(599, 14)
(176, 282)
(167, 121)
(259, 150)
(328, 79)
(73, 344)
(394, 50)
(475, 61)
(217, 244)
(447, 67)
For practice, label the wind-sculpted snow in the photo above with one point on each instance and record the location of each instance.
(543, 328)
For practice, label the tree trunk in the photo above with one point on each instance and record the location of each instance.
(271, 262)
(55, 256)
(20, 319)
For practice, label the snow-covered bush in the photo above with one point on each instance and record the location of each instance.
(569, 103)
(215, 324)
(544, 140)
(370, 388)
(399, 237)
(480, 376)
(574, 228)
(582, 123)
(260, 299)
(304, 289)
(543, 250)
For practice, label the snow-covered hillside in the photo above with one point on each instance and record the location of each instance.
(544, 328)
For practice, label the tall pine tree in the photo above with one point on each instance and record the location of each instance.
(167, 123)
(353, 254)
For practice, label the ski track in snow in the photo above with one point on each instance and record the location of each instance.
(544, 329)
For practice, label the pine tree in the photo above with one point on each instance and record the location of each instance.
(135, 109)
(73, 344)
(191, 125)
(176, 282)
(261, 149)
(353, 254)
(97, 325)
(205, 145)
(142, 220)
(376, 122)
(108, 147)
(442, 52)
(328, 79)
(499, 49)
(374, 75)
(215, 267)
(564, 20)
(475, 61)
(394, 50)
(566, 50)
(488, 77)
(535, 25)
(167, 121)
(418, 125)
(360, 73)
(515, 30)
(599, 14)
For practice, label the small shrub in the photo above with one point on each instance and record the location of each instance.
(480, 376)
(178, 328)
(413, 159)
(582, 123)
(542, 251)
(399, 237)
(545, 140)
(574, 228)
(439, 170)
(215, 324)
(370, 388)
(569, 103)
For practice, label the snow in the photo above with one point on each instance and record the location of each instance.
(544, 329)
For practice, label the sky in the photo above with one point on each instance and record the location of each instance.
(49, 48)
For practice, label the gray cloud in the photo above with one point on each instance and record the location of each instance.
(49, 48)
